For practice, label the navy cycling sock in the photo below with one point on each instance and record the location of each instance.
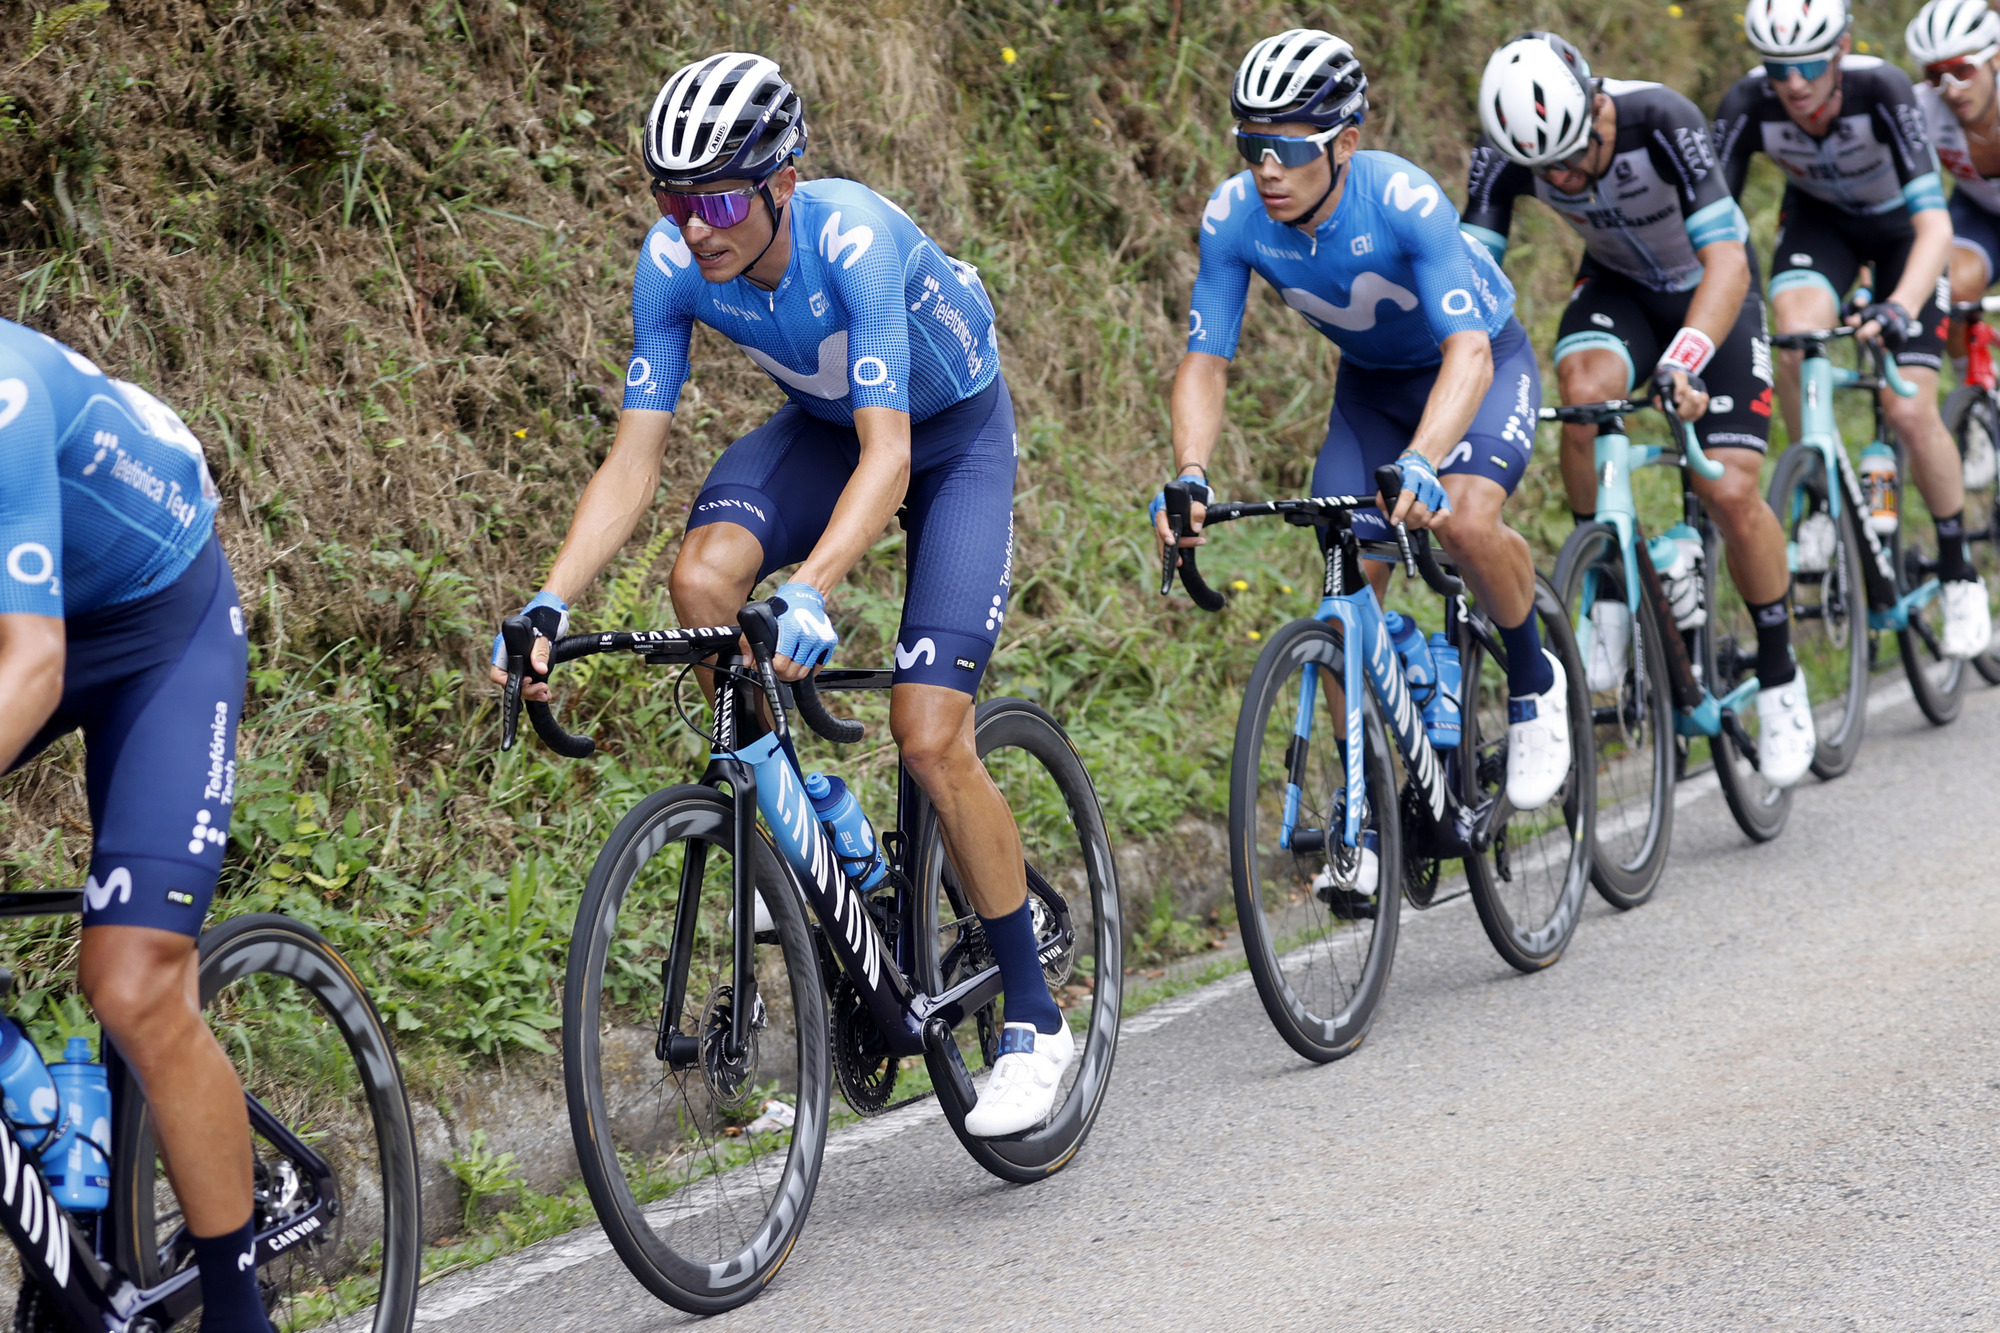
(229, 1299)
(1012, 939)
(1952, 563)
(1528, 672)
(1774, 642)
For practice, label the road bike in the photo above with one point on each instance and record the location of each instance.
(337, 1211)
(1315, 793)
(726, 953)
(1658, 687)
(1972, 415)
(1851, 583)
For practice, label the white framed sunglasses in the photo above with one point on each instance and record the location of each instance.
(1288, 150)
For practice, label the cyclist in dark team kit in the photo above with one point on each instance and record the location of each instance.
(118, 617)
(1862, 188)
(1664, 293)
(885, 348)
(1436, 374)
(1957, 45)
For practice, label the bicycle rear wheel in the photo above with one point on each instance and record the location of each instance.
(1726, 647)
(1319, 940)
(1529, 884)
(1830, 635)
(1936, 681)
(1072, 877)
(333, 1146)
(1974, 424)
(1633, 716)
(701, 1183)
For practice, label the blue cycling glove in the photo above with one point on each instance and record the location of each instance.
(550, 616)
(1421, 479)
(1198, 491)
(804, 633)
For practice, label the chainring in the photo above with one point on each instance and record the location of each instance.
(731, 1083)
(1420, 872)
(863, 1063)
(34, 1312)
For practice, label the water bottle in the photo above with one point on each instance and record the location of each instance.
(27, 1093)
(1418, 669)
(79, 1176)
(853, 835)
(1676, 553)
(1441, 713)
(1878, 487)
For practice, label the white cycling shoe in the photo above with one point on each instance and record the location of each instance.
(1968, 621)
(1538, 742)
(1610, 645)
(1785, 736)
(1022, 1090)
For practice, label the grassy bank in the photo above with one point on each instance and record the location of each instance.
(378, 253)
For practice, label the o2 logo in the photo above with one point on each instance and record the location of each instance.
(871, 373)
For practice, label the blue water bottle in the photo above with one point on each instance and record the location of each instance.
(75, 1166)
(853, 835)
(1418, 669)
(1441, 717)
(27, 1092)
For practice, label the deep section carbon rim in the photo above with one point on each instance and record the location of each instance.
(1830, 635)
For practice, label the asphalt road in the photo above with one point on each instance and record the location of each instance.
(1769, 1099)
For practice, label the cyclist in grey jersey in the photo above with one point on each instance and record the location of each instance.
(1957, 44)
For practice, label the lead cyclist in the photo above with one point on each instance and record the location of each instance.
(885, 348)
(1436, 374)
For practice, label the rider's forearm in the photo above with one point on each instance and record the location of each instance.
(31, 679)
(1725, 281)
(1462, 382)
(1201, 386)
(612, 504)
(1928, 255)
(870, 499)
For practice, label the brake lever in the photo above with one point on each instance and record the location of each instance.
(517, 634)
(1409, 553)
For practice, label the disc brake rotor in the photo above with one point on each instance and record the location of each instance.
(731, 1080)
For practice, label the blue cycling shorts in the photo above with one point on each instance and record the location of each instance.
(1375, 412)
(782, 480)
(156, 687)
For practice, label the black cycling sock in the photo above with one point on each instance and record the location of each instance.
(1774, 642)
(229, 1299)
(1012, 939)
(1528, 672)
(1952, 563)
(1583, 518)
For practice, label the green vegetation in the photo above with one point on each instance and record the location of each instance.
(378, 255)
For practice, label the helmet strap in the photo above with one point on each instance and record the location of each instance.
(1304, 221)
(777, 221)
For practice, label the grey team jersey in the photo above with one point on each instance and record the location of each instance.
(1660, 201)
(1875, 157)
(1948, 137)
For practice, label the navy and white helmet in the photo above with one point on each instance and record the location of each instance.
(1302, 76)
(1795, 28)
(1535, 99)
(729, 117)
(1948, 29)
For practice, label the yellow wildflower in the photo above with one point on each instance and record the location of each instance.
(1007, 56)
(1240, 586)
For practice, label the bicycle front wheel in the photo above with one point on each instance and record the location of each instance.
(701, 1160)
(1726, 647)
(333, 1148)
(1319, 926)
(1936, 681)
(1632, 715)
(1072, 893)
(1830, 637)
(1529, 883)
(1975, 428)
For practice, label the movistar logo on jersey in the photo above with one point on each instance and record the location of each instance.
(828, 381)
(833, 242)
(1406, 196)
(13, 399)
(668, 252)
(1217, 209)
(1370, 289)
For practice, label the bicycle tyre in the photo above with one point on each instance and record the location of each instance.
(1036, 766)
(1626, 870)
(1761, 810)
(1974, 423)
(595, 1054)
(1259, 869)
(1529, 890)
(1937, 682)
(1834, 651)
(145, 1244)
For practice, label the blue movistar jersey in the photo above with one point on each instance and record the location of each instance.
(1388, 277)
(104, 494)
(870, 313)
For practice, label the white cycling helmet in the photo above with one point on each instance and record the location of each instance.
(1535, 99)
(1795, 28)
(1302, 76)
(1948, 29)
(729, 117)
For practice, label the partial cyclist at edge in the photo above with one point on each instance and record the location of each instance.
(886, 350)
(1436, 374)
(1862, 188)
(119, 618)
(1666, 293)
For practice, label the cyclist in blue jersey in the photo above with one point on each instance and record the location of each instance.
(885, 348)
(118, 617)
(1435, 372)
